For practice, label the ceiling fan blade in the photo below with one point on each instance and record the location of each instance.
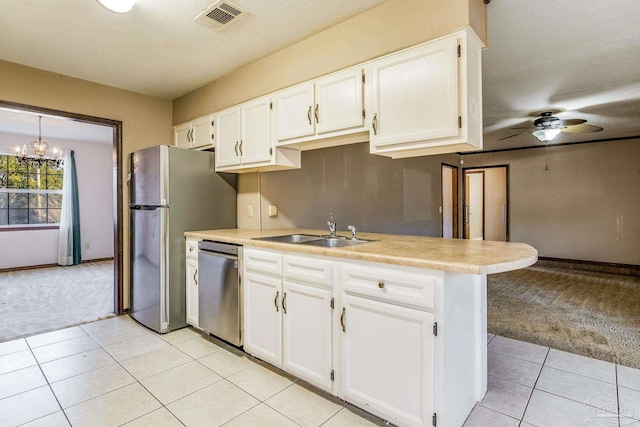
(512, 136)
(572, 122)
(524, 127)
(582, 128)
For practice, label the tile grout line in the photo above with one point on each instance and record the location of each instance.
(48, 385)
(534, 385)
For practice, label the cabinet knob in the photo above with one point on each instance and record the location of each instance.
(381, 285)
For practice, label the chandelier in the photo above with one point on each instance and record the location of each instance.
(38, 158)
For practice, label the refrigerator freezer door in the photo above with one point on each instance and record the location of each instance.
(148, 267)
(149, 177)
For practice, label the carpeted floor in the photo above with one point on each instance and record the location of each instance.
(582, 312)
(44, 299)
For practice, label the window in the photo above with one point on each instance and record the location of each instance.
(30, 196)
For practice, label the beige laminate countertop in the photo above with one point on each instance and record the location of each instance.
(455, 255)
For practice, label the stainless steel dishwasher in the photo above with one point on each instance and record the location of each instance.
(219, 290)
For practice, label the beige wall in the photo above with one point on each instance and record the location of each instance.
(584, 207)
(146, 120)
(392, 26)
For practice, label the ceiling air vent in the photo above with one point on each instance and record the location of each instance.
(220, 15)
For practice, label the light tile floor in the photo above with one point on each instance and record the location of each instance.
(115, 372)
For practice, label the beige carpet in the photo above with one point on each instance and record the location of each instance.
(44, 299)
(582, 312)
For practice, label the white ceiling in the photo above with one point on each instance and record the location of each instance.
(578, 57)
(157, 49)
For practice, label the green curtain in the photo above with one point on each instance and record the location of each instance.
(69, 242)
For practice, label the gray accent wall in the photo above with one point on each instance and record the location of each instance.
(373, 193)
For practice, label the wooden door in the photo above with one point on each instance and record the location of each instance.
(449, 201)
(474, 205)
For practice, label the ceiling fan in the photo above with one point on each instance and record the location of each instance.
(547, 126)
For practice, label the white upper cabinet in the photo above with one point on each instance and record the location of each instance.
(227, 131)
(255, 130)
(313, 112)
(197, 133)
(295, 112)
(416, 94)
(339, 101)
(244, 135)
(427, 99)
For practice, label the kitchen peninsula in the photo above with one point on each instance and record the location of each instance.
(396, 326)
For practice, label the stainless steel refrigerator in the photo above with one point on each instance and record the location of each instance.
(172, 190)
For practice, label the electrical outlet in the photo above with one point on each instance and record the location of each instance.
(250, 210)
(273, 211)
(87, 245)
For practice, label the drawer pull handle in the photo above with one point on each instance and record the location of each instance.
(342, 320)
(195, 278)
(381, 285)
(284, 303)
(275, 301)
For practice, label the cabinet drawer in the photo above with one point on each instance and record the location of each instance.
(264, 262)
(406, 288)
(307, 270)
(192, 248)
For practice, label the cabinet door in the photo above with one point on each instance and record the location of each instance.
(294, 108)
(307, 333)
(227, 131)
(202, 132)
(255, 143)
(339, 101)
(182, 135)
(263, 317)
(192, 291)
(415, 94)
(387, 360)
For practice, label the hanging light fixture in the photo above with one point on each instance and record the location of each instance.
(547, 134)
(118, 6)
(38, 158)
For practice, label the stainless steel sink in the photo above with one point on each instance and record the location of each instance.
(290, 238)
(336, 242)
(310, 239)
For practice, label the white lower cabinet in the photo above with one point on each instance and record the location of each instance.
(192, 282)
(263, 317)
(406, 344)
(288, 323)
(307, 324)
(387, 360)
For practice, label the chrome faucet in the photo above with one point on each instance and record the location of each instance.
(353, 232)
(332, 226)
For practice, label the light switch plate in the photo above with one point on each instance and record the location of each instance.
(273, 211)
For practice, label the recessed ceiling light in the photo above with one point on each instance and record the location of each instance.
(118, 6)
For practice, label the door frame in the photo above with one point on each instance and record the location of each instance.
(455, 196)
(116, 125)
(464, 196)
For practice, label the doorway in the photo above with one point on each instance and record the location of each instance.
(116, 127)
(486, 203)
(449, 201)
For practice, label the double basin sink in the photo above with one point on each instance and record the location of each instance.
(310, 239)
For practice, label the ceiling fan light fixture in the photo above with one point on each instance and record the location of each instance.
(118, 6)
(545, 135)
